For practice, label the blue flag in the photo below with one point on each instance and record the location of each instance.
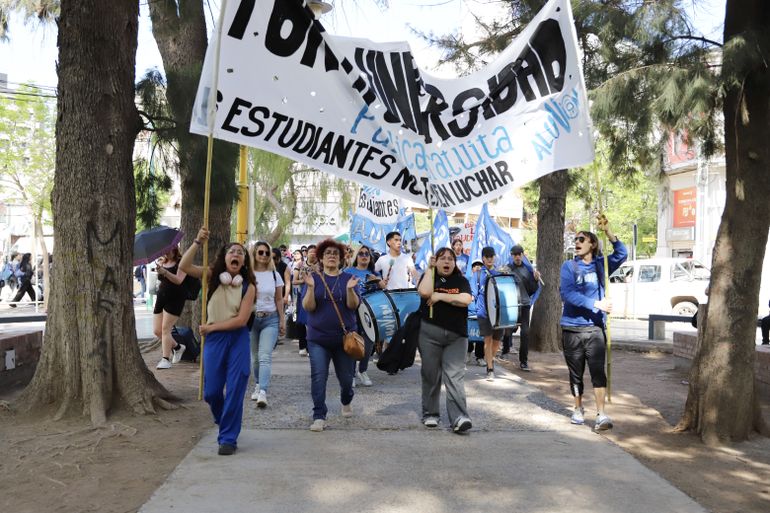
(440, 240)
(489, 233)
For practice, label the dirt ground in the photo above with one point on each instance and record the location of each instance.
(69, 467)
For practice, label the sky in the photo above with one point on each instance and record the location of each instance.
(31, 54)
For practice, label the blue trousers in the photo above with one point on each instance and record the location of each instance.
(320, 356)
(226, 367)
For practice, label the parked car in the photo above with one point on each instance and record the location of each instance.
(659, 285)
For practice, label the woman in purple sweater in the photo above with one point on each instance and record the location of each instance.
(322, 291)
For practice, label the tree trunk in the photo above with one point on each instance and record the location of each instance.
(545, 332)
(90, 361)
(179, 28)
(722, 403)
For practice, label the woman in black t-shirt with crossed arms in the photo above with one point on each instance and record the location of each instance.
(444, 339)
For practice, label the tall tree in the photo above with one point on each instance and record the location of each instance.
(90, 362)
(179, 29)
(723, 402)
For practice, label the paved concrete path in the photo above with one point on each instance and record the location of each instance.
(522, 455)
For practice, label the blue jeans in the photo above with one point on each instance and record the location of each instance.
(225, 378)
(320, 355)
(264, 335)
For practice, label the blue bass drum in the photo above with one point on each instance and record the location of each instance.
(382, 312)
(503, 301)
(474, 334)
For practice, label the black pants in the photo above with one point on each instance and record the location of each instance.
(477, 348)
(26, 287)
(765, 327)
(582, 346)
(524, 334)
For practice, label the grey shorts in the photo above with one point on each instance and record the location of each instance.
(485, 329)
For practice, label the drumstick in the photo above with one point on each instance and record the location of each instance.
(390, 269)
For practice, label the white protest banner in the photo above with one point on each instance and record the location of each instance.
(363, 111)
(377, 214)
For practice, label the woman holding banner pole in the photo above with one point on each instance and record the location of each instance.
(445, 295)
(583, 318)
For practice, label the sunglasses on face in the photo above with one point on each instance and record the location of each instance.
(363, 253)
(262, 252)
(580, 239)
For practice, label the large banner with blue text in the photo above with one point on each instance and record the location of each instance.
(363, 111)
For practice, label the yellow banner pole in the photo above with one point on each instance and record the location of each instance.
(606, 289)
(242, 219)
(211, 116)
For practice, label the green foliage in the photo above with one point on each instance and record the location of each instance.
(152, 186)
(627, 199)
(172, 135)
(27, 150)
(285, 189)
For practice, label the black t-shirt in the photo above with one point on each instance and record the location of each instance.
(281, 270)
(445, 315)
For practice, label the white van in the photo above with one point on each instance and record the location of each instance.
(659, 285)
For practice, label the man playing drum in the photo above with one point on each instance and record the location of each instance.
(492, 337)
(528, 283)
(397, 269)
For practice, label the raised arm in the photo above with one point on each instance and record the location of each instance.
(186, 264)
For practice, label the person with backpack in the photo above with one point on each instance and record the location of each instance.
(583, 317)
(230, 305)
(24, 274)
(168, 306)
(270, 319)
(140, 273)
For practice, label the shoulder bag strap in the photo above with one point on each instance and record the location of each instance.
(334, 303)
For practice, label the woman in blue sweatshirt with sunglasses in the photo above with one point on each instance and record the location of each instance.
(582, 289)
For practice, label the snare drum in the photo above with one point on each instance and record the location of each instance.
(382, 312)
(503, 301)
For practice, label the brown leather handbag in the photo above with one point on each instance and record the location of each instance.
(352, 342)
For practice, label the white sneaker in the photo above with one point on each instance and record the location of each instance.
(430, 422)
(163, 364)
(364, 378)
(347, 410)
(318, 425)
(261, 399)
(177, 353)
(577, 416)
(603, 422)
(303, 352)
(491, 375)
(481, 362)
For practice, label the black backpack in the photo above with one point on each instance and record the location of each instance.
(186, 337)
(191, 287)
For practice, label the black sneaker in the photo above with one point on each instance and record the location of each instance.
(226, 449)
(523, 366)
(462, 425)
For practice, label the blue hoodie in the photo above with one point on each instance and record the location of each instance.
(581, 290)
